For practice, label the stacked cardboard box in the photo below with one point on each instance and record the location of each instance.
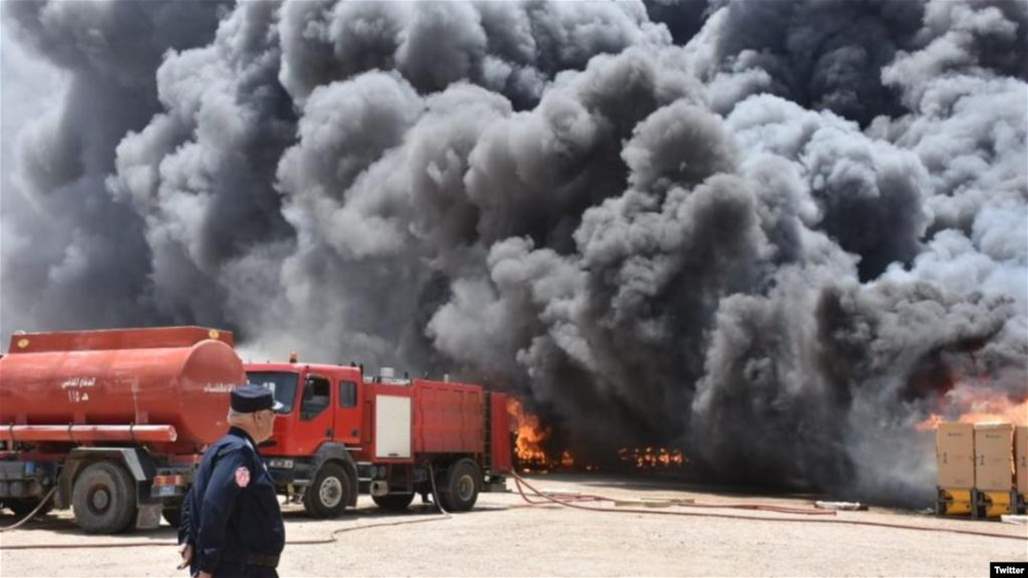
(994, 470)
(983, 469)
(954, 453)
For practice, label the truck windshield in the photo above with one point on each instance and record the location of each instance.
(282, 384)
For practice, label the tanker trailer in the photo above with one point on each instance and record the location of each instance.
(114, 421)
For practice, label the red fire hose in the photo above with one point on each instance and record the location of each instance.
(594, 498)
(332, 537)
(38, 507)
(518, 480)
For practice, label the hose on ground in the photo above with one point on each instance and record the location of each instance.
(566, 498)
(31, 514)
(435, 491)
(518, 480)
(332, 537)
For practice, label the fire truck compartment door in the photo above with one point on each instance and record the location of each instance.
(392, 426)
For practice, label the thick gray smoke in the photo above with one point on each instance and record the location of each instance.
(72, 254)
(778, 235)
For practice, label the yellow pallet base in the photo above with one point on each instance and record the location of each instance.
(996, 504)
(953, 502)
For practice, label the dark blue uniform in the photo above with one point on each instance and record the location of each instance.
(231, 514)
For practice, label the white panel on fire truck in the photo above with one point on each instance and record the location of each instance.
(392, 426)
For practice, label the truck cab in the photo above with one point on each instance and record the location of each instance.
(319, 428)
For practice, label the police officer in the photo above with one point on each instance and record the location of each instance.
(231, 522)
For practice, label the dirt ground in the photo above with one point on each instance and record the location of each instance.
(505, 537)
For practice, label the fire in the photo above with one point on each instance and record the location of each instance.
(530, 435)
(650, 458)
(977, 405)
(930, 424)
(531, 442)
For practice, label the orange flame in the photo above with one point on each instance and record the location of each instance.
(929, 424)
(650, 458)
(977, 405)
(531, 435)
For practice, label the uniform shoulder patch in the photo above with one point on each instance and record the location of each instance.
(242, 476)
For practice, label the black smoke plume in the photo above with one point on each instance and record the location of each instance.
(776, 234)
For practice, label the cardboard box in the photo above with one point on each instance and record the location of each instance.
(994, 457)
(1021, 458)
(954, 452)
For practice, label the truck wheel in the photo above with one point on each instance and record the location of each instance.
(104, 499)
(173, 516)
(394, 502)
(330, 492)
(460, 490)
(22, 506)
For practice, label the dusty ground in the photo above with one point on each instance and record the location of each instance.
(503, 537)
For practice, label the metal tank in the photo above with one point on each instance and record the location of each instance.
(167, 387)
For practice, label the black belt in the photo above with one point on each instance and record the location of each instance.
(265, 560)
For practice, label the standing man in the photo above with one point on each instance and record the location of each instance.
(231, 522)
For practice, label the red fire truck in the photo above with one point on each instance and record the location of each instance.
(342, 432)
(112, 423)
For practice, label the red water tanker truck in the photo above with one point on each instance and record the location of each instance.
(113, 422)
(342, 432)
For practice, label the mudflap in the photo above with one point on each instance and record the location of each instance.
(148, 515)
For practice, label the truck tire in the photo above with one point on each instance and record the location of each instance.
(104, 499)
(173, 516)
(460, 489)
(22, 506)
(394, 502)
(329, 493)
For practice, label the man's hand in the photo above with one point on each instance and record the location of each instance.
(186, 551)
(203, 575)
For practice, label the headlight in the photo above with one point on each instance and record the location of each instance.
(280, 463)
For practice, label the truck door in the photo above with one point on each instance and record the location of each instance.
(316, 420)
(348, 411)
